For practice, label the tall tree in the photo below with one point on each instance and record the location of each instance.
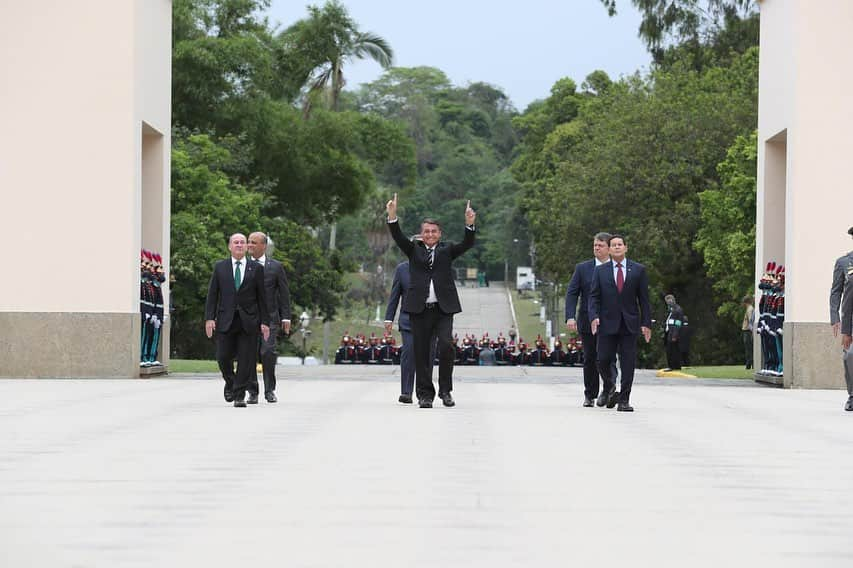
(327, 40)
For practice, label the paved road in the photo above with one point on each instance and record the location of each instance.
(164, 473)
(483, 309)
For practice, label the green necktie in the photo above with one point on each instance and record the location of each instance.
(237, 277)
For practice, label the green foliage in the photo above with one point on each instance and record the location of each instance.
(727, 236)
(634, 161)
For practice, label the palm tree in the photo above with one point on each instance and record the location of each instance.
(323, 43)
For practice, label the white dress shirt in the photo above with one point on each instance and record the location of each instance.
(431, 298)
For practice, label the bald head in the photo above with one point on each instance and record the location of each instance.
(237, 245)
(257, 244)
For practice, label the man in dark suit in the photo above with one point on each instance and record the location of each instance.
(236, 309)
(407, 351)
(431, 299)
(577, 317)
(277, 292)
(619, 310)
(842, 286)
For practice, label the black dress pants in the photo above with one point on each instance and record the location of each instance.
(590, 366)
(625, 344)
(268, 355)
(235, 343)
(673, 353)
(432, 322)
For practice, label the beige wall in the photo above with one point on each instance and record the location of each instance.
(805, 123)
(77, 82)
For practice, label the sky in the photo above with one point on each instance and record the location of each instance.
(523, 47)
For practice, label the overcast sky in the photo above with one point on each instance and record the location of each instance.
(522, 46)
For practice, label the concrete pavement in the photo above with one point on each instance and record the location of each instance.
(483, 309)
(163, 472)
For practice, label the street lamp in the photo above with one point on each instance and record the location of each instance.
(304, 320)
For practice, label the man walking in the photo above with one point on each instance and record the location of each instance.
(431, 299)
(407, 351)
(619, 310)
(235, 310)
(577, 318)
(277, 291)
(842, 274)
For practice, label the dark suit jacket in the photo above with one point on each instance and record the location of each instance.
(414, 300)
(398, 293)
(847, 306)
(579, 287)
(277, 291)
(612, 307)
(223, 301)
(839, 276)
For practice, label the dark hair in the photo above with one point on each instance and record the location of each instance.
(431, 221)
(603, 237)
(850, 231)
(616, 236)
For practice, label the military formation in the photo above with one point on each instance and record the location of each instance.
(152, 276)
(471, 350)
(770, 322)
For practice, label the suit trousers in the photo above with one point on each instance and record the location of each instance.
(235, 343)
(590, 366)
(432, 322)
(625, 344)
(673, 353)
(268, 355)
(848, 369)
(407, 362)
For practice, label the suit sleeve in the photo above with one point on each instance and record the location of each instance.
(594, 302)
(836, 291)
(212, 296)
(283, 295)
(572, 293)
(261, 292)
(396, 293)
(459, 249)
(397, 234)
(847, 308)
(643, 298)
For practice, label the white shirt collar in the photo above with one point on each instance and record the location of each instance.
(598, 262)
(234, 261)
(262, 259)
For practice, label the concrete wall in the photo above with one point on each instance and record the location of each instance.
(79, 79)
(805, 120)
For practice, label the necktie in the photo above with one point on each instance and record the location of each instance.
(238, 278)
(431, 257)
(620, 278)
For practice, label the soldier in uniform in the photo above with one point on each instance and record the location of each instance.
(672, 332)
(503, 355)
(539, 355)
(345, 354)
(558, 357)
(842, 288)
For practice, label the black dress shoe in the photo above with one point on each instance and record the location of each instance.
(624, 407)
(587, 402)
(229, 396)
(405, 399)
(604, 397)
(239, 403)
(270, 396)
(446, 399)
(425, 403)
(253, 398)
(612, 399)
(849, 406)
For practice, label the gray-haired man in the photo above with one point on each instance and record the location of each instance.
(842, 287)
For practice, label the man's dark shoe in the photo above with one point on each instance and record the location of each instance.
(604, 397)
(253, 398)
(229, 396)
(446, 399)
(239, 403)
(624, 407)
(587, 402)
(612, 399)
(425, 403)
(405, 399)
(849, 406)
(270, 396)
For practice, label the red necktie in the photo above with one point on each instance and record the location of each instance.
(620, 278)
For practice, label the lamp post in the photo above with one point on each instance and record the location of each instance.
(304, 320)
